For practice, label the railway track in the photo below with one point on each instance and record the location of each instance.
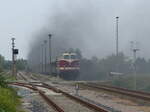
(50, 102)
(123, 91)
(26, 77)
(65, 92)
(78, 100)
(20, 76)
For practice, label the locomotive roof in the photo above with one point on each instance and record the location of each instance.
(69, 54)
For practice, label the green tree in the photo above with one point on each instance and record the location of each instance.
(7, 64)
(21, 64)
(142, 65)
(3, 82)
(2, 61)
(96, 69)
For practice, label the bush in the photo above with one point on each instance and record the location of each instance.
(1, 69)
(126, 82)
(3, 82)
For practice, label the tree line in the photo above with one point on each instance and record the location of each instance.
(21, 64)
(96, 69)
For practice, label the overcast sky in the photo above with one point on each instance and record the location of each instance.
(23, 19)
(20, 19)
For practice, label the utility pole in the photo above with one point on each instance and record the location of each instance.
(50, 53)
(13, 57)
(117, 45)
(117, 41)
(134, 50)
(42, 62)
(45, 43)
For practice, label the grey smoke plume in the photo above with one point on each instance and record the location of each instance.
(70, 28)
(90, 26)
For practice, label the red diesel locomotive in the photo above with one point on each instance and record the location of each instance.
(68, 66)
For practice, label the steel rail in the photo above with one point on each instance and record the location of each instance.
(23, 77)
(123, 91)
(26, 86)
(87, 104)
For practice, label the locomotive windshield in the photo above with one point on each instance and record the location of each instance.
(69, 56)
(73, 56)
(66, 56)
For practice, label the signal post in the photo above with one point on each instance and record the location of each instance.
(14, 54)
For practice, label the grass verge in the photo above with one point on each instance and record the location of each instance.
(8, 100)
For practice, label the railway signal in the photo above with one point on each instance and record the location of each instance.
(14, 54)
